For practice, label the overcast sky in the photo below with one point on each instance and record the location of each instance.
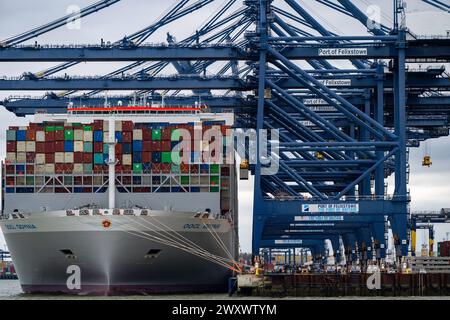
(430, 187)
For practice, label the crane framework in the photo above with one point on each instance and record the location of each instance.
(343, 131)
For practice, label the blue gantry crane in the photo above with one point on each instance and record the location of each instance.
(346, 106)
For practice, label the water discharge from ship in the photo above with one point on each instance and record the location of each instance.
(186, 245)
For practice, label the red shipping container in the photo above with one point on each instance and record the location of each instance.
(49, 147)
(87, 157)
(10, 169)
(40, 147)
(59, 135)
(30, 168)
(118, 168)
(166, 133)
(98, 147)
(146, 146)
(156, 167)
(97, 125)
(49, 157)
(11, 146)
(166, 146)
(98, 168)
(127, 136)
(118, 148)
(146, 157)
(68, 167)
(194, 168)
(49, 136)
(127, 125)
(31, 157)
(78, 157)
(31, 135)
(127, 169)
(166, 167)
(146, 134)
(184, 168)
(59, 146)
(156, 145)
(59, 168)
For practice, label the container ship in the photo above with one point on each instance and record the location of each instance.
(95, 203)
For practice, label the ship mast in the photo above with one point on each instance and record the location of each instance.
(111, 162)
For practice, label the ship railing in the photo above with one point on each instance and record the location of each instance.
(344, 198)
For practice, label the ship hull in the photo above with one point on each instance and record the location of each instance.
(130, 255)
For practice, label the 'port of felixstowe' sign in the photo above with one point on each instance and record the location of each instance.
(342, 52)
(331, 208)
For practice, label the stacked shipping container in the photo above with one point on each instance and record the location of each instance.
(71, 157)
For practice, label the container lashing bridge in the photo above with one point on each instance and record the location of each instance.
(343, 130)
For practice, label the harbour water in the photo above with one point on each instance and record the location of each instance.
(10, 290)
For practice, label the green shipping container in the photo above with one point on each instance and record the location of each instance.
(68, 134)
(214, 189)
(175, 135)
(87, 128)
(11, 135)
(98, 158)
(137, 168)
(184, 180)
(105, 148)
(156, 134)
(214, 168)
(87, 147)
(214, 180)
(87, 168)
(49, 128)
(166, 157)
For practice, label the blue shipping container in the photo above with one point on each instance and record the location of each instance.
(137, 157)
(21, 135)
(98, 136)
(126, 148)
(156, 157)
(68, 146)
(137, 146)
(119, 136)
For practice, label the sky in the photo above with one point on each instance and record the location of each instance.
(430, 187)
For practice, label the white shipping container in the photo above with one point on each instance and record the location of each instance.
(78, 135)
(87, 136)
(39, 168)
(50, 168)
(137, 134)
(40, 136)
(78, 146)
(78, 168)
(68, 157)
(118, 125)
(10, 157)
(21, 157)
(21, 146)
(105, 136)
(126, 159)
(30, 146)
(40, 158)
(105, 125)
(59, 157)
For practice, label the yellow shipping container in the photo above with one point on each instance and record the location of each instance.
(21, 146)
(40, 158)
(78, 146)
(21, 157)
(59, 157)
(87, 136)
(78, 135)
(30, 146)
(68, 157)
(126, 159)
